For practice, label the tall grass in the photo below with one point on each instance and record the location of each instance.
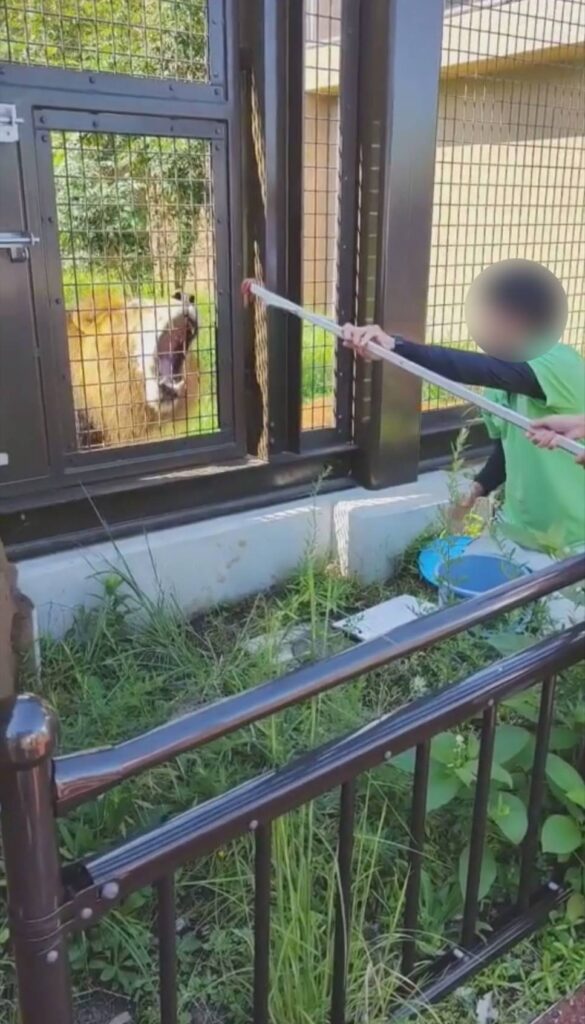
(130, 664)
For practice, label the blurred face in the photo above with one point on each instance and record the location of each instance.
(492, 305)
(497, 331)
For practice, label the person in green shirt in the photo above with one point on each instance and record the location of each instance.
(516, 312)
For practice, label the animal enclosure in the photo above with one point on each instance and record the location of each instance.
(158, 151)
(137, 247)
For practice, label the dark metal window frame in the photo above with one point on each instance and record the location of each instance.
(48, 902)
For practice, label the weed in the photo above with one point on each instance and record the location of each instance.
(130, 664)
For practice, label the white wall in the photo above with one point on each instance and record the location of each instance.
(229, 558)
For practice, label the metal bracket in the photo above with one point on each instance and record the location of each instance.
(18, 245)
(9, 123)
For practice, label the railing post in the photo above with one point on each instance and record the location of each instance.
(33, 871)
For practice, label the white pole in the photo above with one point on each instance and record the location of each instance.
(459, 390)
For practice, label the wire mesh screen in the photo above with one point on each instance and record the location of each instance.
(135, 217)
(321, 189)
(510, 162)
(158, 38)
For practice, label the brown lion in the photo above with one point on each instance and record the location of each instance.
(131, 367)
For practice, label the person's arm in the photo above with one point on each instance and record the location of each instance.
(493, 474)
(472, 367)
(546, 433)
(453, 363)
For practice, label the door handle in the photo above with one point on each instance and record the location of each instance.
(18, 245)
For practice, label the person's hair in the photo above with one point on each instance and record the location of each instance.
(527, 291)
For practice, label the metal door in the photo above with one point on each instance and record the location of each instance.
(120, 177)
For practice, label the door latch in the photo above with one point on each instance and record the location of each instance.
(18, 245)
(9, 123)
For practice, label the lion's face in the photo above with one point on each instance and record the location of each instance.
(159, 343)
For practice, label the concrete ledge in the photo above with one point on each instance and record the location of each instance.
(372, 530)
(226, 559)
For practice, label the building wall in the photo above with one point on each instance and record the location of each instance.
(510, 181)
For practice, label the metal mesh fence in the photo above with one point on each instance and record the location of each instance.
(158, 38)
(510, 159)
(137, 246)
(321, 189)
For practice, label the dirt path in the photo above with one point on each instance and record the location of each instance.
(570, 1012)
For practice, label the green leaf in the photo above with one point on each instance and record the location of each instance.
(525, 759)
(443, 787)
(468, 774)
(509, 814)
(563, 774)
(472, 745)
(443, 782)
(576, 908)
(577, 795)
(561, 835)
(445, 747)
(525, 704)
(500, 774)
(487, 875)
(510, 741)
(562, 738)
(575, 877)
(406, 761)
(509, 642)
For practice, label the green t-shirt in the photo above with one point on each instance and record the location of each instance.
(544, 502)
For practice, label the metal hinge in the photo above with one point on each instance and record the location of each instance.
(9, 123)
(18, 245)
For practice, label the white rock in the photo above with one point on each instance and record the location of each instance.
(373, 622)
(485, 1010)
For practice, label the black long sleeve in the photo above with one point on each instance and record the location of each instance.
(493, 474)
(472, 368)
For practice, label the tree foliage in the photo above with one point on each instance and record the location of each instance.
(129, 206)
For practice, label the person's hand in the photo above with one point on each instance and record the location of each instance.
(246, 290)
(547, 432)
(460, 509)
(358, 339)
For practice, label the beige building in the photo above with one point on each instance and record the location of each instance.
(510, 166)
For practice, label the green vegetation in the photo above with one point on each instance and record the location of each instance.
(319, 352)
(127, 37)
(129, 664)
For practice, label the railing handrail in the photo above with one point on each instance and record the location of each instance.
(82, 776)
(142, 859)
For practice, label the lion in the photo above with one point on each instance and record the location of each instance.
(131, 366)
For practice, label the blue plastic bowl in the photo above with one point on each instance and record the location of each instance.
(438, 551)
(470, 575)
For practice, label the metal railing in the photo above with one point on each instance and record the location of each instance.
(47, 902)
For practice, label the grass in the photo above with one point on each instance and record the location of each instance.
(115, 675)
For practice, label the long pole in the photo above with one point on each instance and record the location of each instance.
(459, 390)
